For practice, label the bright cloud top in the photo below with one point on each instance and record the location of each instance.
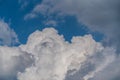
(47, 56)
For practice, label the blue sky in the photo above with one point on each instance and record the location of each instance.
(13, 13)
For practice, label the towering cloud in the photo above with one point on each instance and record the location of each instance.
(54, 56)
(47, 56)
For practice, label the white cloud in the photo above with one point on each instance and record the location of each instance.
(98, 15)
(7, 35)
(12, 60)
(51, 23)
(47, 56)
(54, 57)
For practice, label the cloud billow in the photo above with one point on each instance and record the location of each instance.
(47, 56)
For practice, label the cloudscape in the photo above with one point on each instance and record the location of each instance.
(59, 40)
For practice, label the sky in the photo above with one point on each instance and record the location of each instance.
(59, 39)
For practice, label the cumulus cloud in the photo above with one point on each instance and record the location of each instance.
(12, 60)
(47, 56)
(97, 15)
(54, 57)
(7, 35)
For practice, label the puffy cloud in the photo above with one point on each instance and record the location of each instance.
(98, 15)
(47, 56)
(97, 65)
(12, 60)
(54, 57)
(7, 35)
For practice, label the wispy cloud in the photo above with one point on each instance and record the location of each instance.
(7, 35)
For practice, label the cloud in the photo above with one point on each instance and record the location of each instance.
(7, 35)
(25, 3)
(54, 57)
(51, 23)
(111, 72)
(29, 16)
(108, 59)
(13, 60)
(47, 56)
(98, 15)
